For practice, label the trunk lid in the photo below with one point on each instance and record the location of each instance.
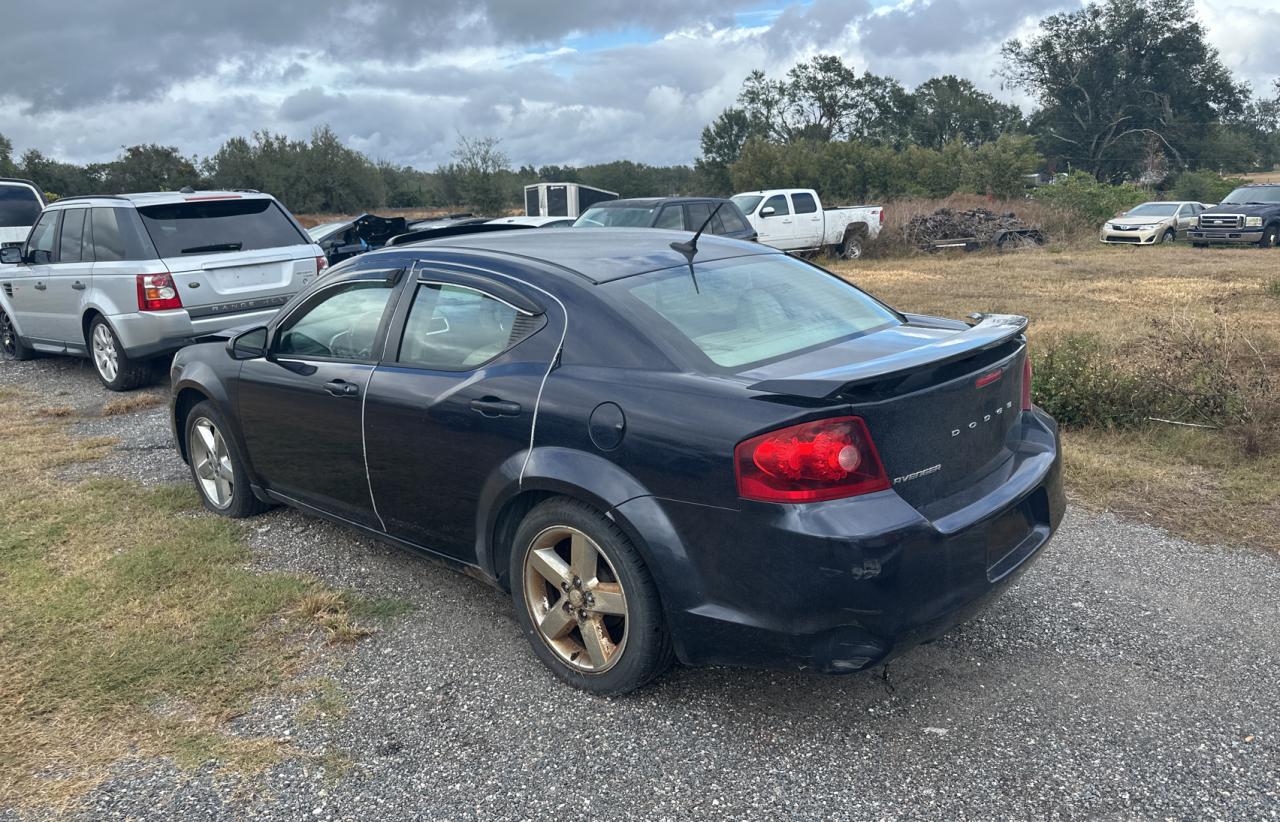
(941, 400)
(229, 279)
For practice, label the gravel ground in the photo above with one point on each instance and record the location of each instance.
(1128, 675)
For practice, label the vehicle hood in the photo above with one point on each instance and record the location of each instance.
(1144, 222)
(1246, 210)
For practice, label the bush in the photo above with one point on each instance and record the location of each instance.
(1079, 192)
(1203, 186)
(1078, 382)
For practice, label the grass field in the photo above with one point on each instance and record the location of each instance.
(1193, 482)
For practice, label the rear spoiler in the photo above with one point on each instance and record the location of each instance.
(991, 331)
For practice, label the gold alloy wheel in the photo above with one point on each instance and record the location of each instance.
(575, 600)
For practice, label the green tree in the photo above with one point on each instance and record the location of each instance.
(7, 166)
(62, 179)
(722, 143)
(150, 167)
(473, 178)
(949, 108)
(1116, 73)
(999, 167)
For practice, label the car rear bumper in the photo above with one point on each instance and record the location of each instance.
(843, 585)
(1234, 236)
(152, 333)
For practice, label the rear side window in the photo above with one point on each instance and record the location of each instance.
(74, 248)
(19, 206)
(804, 203)
(214, 226)
(451, 328)
(670, 217)
(117, 235)
(751, 309)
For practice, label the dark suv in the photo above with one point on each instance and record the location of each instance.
(1250, 214)
(678, 213)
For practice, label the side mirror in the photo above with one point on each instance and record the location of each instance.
(12, 255)
(768, 211)
(248, 345)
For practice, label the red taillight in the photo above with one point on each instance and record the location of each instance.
(156, 292)
(882, 216)
(321, 263)
(814, 461)
(987, 379)
(1026, 381)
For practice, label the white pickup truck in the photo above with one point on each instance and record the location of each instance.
(793, 219)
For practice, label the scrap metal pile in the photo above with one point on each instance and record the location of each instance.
(970, 230)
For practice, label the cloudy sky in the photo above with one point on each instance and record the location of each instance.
(559, 81)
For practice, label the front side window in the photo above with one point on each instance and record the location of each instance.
(73, 247)
(778, 203)
(453, 328)
(752, 309)
(19, 206)
(44, 238)
(218, 226)
(342, 323)
(805, 204)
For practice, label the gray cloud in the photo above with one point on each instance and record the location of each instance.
(950, 26)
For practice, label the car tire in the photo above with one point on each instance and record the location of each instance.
(116, 370)
(1270, 236)
(11, 345)
(217, 465)
(617, 604)
(850, 249)
(1168, 236)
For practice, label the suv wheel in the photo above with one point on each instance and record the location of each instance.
(1270, 237)
(216, 465)
(11, 345)
(585, 600)
(116, 370)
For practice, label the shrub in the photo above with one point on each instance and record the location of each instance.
(1203, 186)
(1077, 381)
(1079, 192)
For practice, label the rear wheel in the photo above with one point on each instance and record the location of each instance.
(1270, 236)
(216, 465)
(114, 367)
(585, 600)
(11, 345)
(851, 248)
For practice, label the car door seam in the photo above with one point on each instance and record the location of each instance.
(364, 448)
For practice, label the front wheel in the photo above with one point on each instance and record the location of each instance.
(1168, 236)
(11, 345)
(1270, 237)
(116, 370)
(216, 465)
(585, 600)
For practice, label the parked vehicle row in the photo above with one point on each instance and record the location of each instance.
(1250, 215)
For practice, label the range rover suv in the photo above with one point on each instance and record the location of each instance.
(1248, 215)
(126, 279)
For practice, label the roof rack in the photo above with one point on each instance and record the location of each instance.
(89, 197)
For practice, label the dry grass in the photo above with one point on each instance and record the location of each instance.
(129, 623)
(1059, 227)
(1259, 176)
(1192, 482)
(129, 403)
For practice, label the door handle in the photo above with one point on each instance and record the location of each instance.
(494, 407)
(342, 388)
(40, 286)
(78, 286)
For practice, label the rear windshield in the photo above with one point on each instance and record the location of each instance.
(623, 216)
(19, 207)
(748, 310)
(216, 226)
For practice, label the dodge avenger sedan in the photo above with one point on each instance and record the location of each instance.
(663, 446)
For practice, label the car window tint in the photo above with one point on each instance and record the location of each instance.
(452, 328)
(108, 246)
(43, 239)
(698, 214)
(342, 324)
(215, 226)
(72, 247)
(732, 221)
(751, 309)
(670, 217)
(804, 203)
(19, 206)
(778, 203)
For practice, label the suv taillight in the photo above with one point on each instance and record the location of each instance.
(1026, 381)
(810, 462)
(156, 292)
(321, 263)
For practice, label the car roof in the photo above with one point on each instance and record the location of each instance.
(599, 255)
(150, 198)
(650, 202)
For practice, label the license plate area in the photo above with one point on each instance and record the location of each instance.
(1016, 534)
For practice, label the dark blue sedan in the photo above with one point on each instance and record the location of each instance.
(707, 451)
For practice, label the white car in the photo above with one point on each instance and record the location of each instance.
(535, 222)
(20, 204)
(794, 219)
(1151, 223)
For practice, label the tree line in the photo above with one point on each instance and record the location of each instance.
(1126, 91)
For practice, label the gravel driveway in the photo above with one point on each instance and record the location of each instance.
(1128, 675)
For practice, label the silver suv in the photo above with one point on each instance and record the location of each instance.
(129, 278)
